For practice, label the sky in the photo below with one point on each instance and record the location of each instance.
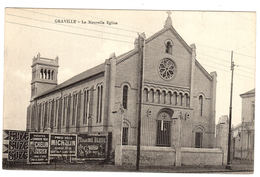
(83, 46)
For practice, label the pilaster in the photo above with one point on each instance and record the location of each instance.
(193, 59)
(213, 105)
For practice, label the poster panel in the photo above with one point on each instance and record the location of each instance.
(63, 144)
(92, 147)
(17, 146)
(5, 144)
(38, 148)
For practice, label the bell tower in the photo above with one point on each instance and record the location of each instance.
(44, 74)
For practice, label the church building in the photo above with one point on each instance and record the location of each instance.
(178, 96)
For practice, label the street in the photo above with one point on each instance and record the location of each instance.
(244, 167)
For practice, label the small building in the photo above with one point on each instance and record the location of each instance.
(243, 134)
(222, 134)
(222, 131)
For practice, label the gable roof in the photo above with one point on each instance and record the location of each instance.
(250, 92)
(130, 53)
(174, 33)
(82, 76)
(126, 55)
(101, 68)
(186, 46)
(203, 70)
(86, 74)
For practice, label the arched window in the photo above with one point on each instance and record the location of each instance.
(151, 95)
(68, 112)
(41, 74)
(168, 98)
(98, 95)
(125, 95)
(187, 100)
(125, 134)
(86, 107)
(49, 74)
(198, 139)
(198, 132)
(164, 97)
(59, 115)
(55, 113)
(101, 103)
(74, 108)
(168, 47)
(52, 75)
(181, 99)
(157, 96)
(65, 100)
(45, 122)
(45, 74)
(40, 116)
(163, 129)
(253, 110)
(201, 104)
(146, 95)
(175, 97)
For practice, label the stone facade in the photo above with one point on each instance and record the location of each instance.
(243, 134)
(177, 106)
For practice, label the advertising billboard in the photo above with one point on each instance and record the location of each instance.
(38, 148)
(63, 145)
(17, 145)
(92, 147)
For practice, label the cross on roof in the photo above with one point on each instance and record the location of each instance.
(169, 13)
(168, 22)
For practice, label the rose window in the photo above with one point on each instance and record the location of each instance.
(167, 69)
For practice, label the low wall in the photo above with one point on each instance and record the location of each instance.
(149, 156)
(166, 156)
(201, 156)
(245, 154)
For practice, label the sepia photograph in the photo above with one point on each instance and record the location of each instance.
(169, 91)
